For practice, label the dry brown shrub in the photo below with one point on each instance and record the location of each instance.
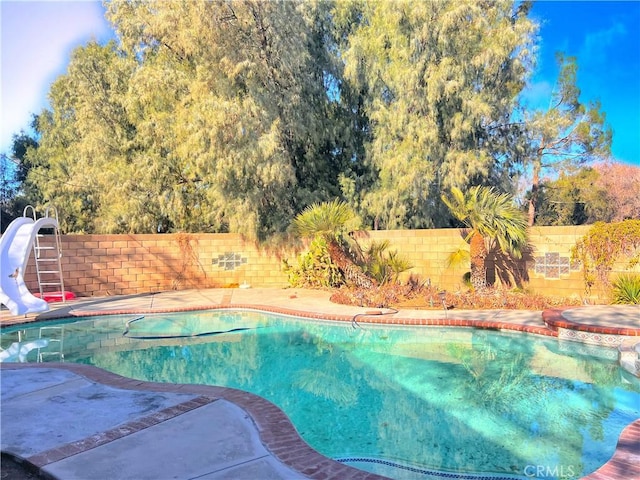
(419, 297)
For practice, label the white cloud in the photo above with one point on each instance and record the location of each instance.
(596, 45)
(537, 94)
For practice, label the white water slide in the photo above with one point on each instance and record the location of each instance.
(16, 245)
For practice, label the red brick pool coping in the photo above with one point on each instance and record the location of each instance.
(279, 435)
(373, 316)
(625, 463)
(555, 320)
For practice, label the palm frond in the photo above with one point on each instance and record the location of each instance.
(492, 214)
(458, 258)
(327, 219)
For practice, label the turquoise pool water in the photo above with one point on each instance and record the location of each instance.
(402, 402)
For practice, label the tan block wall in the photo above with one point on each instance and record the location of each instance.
(428, 250)
(548, 241)
(97, 265)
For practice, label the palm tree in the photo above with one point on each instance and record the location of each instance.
(330, 221)
(490, 217)
(383, 264)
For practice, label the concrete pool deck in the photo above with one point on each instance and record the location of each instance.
(71, 421)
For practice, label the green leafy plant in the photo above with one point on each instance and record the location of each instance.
(459, 258)
(315, 268)
(331, 222)
(384, 265)
(603, 246)
(626, 289)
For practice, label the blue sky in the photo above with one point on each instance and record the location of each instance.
(37, 38)
(605, 37)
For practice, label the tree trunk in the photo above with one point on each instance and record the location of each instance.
(535, 188)
(478, 253)
(353, 274)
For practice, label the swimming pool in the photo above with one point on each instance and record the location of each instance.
(402, 402)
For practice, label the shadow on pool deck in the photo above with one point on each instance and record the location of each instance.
(79, 422)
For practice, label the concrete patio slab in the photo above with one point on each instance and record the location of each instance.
(44, 408)
(210, 442)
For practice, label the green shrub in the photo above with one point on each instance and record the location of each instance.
(626, 289)
(603, 245)
(315, 268)
(383, 264)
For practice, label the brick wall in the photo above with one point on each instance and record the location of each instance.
(549, 267)
(97, 265)
(428, 251)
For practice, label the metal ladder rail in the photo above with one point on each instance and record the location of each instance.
(36, 245)
(39, 259)
(33, 212)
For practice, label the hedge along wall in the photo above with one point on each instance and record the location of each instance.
(98, 265)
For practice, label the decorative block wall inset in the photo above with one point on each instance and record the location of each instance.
(229, 261)
(554, 265)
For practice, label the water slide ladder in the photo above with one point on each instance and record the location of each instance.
(47, 249)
